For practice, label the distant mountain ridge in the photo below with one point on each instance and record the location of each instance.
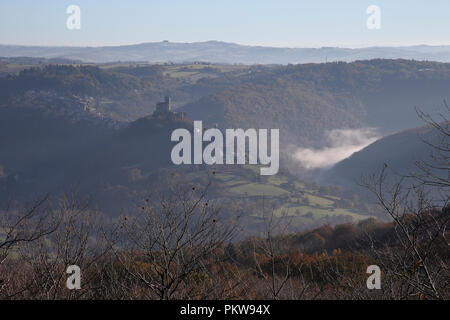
(223, 52)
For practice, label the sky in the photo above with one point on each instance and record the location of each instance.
(279, 23)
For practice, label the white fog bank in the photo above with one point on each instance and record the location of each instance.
(342, 144)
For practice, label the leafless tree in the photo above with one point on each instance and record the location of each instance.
(19, 226)
(273, 264)
(77, 240)
(436, 171)
(415, 259)
(417, 254)
(172, 247)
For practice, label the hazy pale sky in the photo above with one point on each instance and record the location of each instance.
(293, 23)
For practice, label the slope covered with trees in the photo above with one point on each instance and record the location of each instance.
(306, 100)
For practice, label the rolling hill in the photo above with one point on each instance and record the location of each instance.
(222, 52)
(306, 100)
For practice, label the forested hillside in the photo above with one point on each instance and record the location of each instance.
(306, 100)
(88, 127)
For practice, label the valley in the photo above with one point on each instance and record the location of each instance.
(94, 127)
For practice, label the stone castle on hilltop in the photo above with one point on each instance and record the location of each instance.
(164, 110)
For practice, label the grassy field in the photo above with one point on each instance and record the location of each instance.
(258, 189)
(316, 213)
(304, 206)
(194, 72)
(277, 180)
(319, 201)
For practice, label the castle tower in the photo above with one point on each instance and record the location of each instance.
(163, 108)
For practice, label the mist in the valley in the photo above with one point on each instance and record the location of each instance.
(342, 143)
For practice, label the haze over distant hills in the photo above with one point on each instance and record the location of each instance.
(222, 52)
